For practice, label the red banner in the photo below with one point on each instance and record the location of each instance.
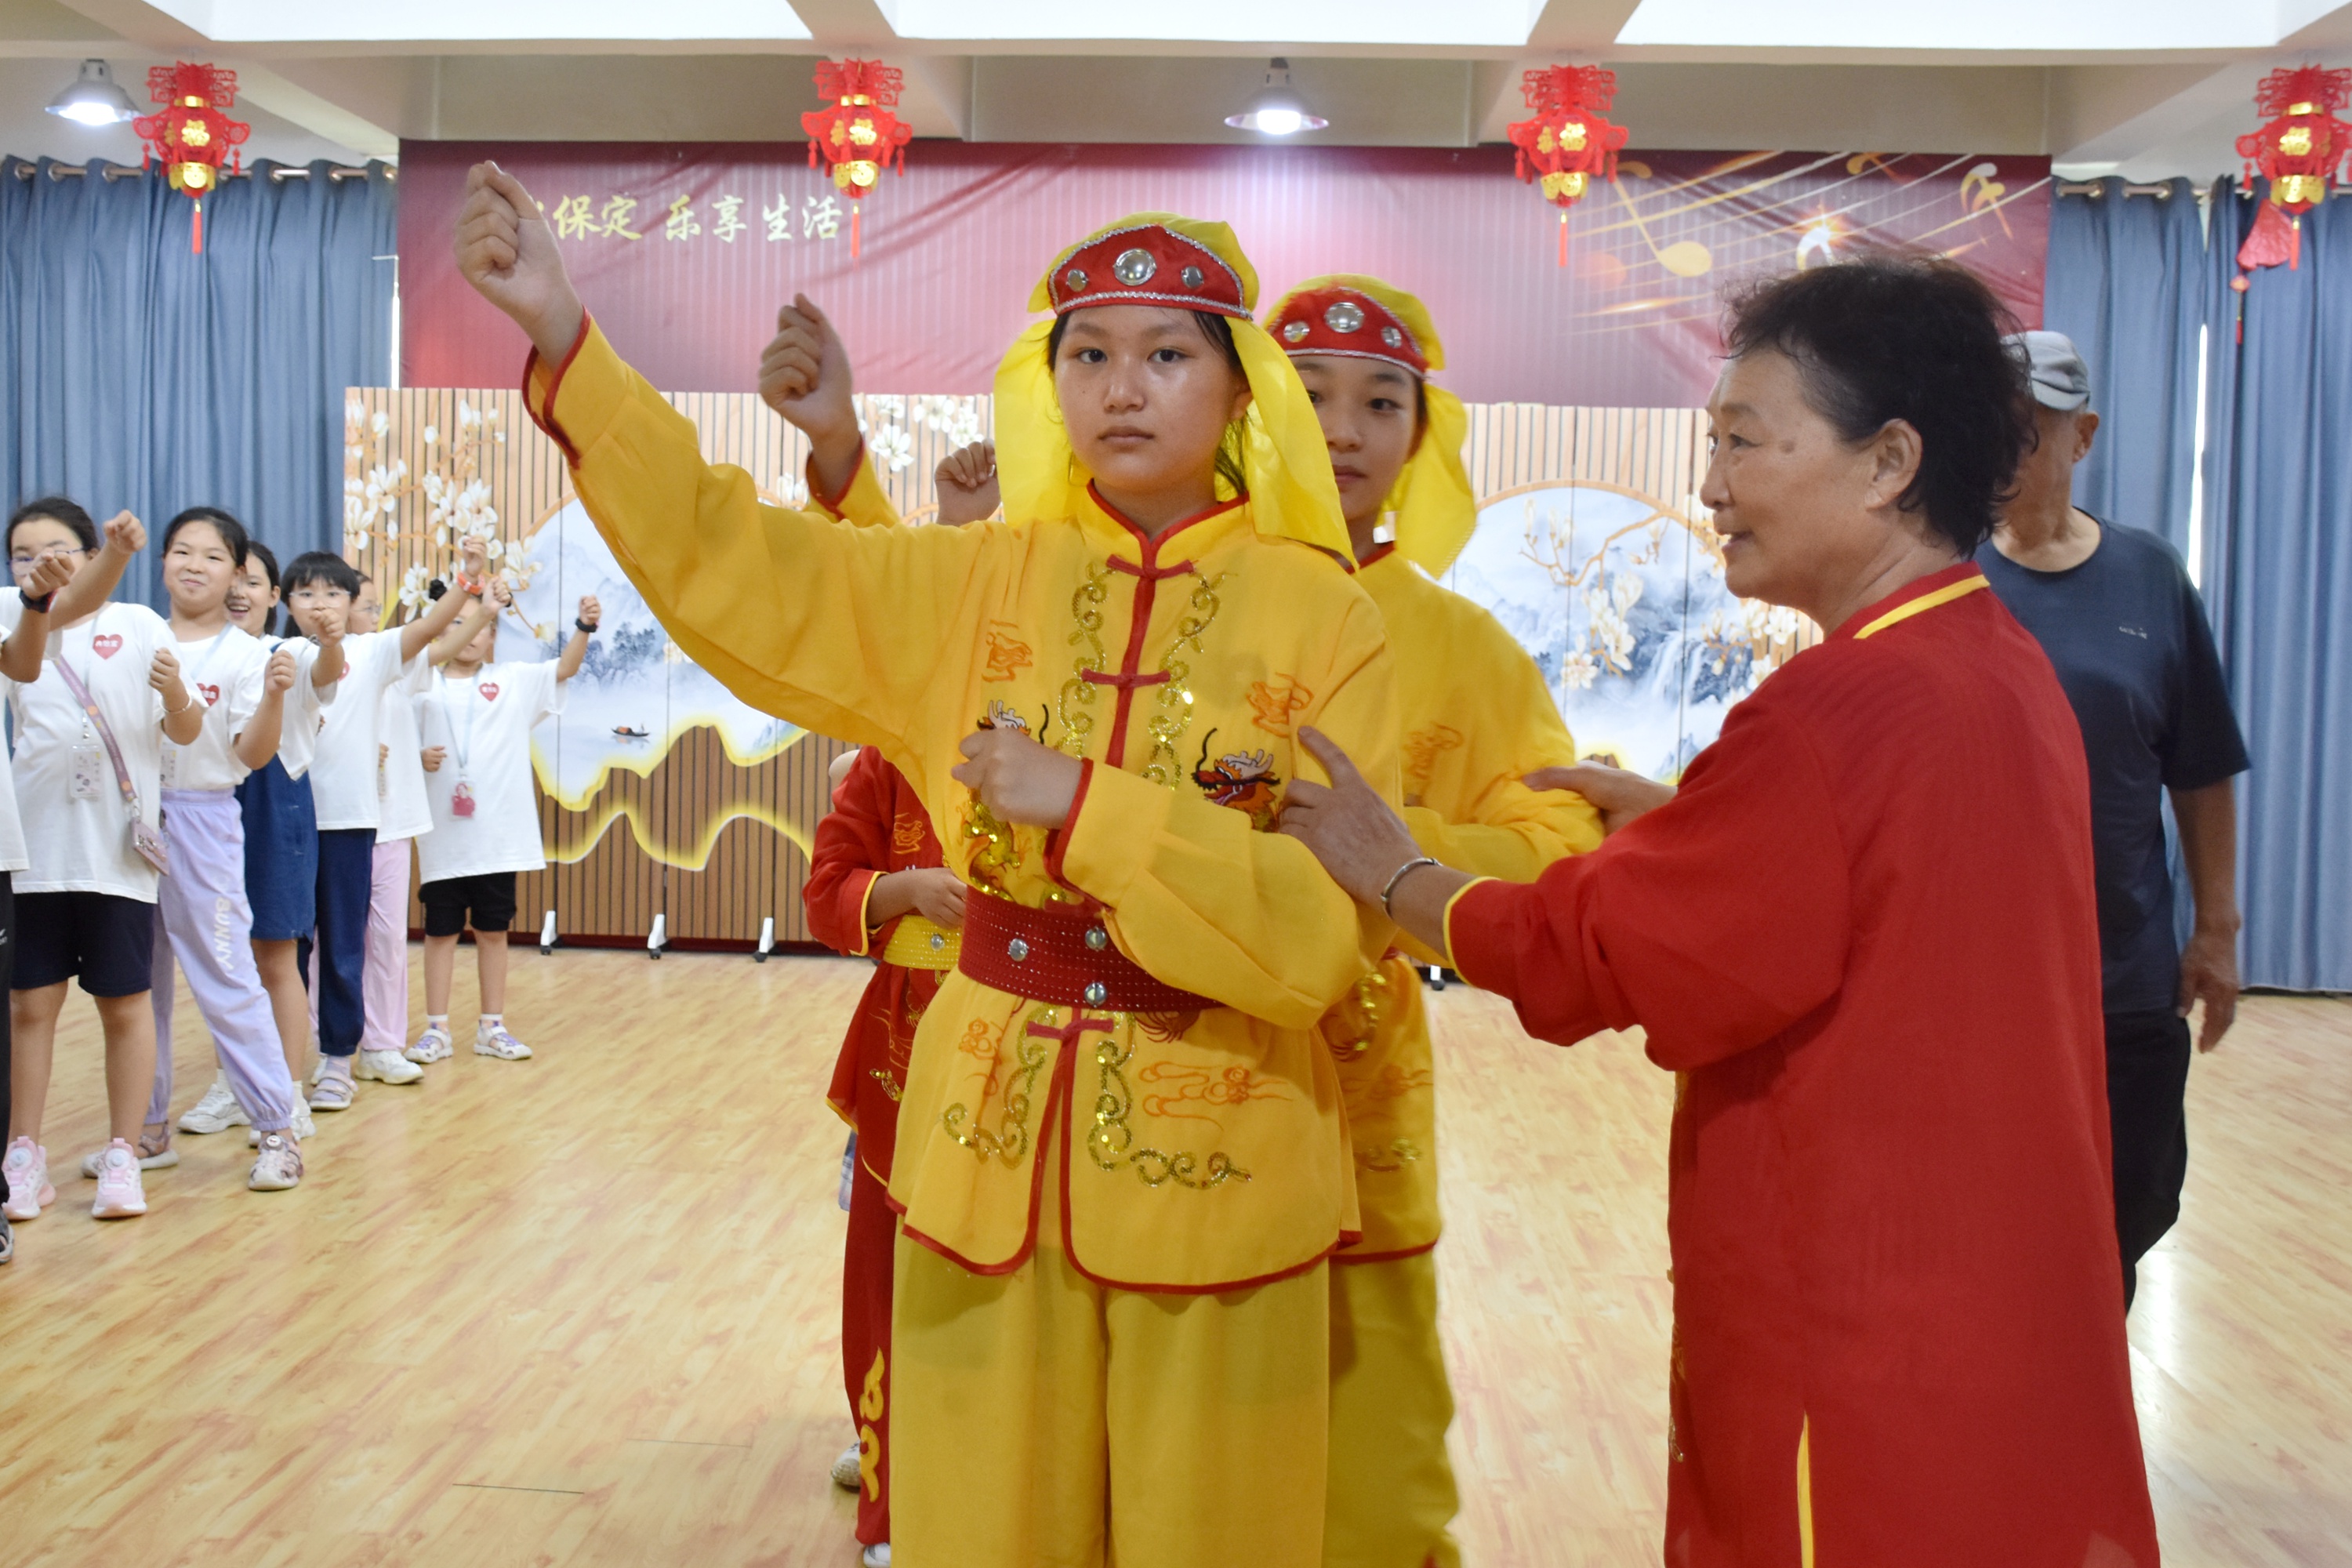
(684, 252)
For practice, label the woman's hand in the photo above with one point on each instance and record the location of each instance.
(432, 757)
(1619, 794)
(1360, 841)
(966, 479)
(277, 677)
(507, 253)
(1021, 781)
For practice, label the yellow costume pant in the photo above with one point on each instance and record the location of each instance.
(1044, 1421)
(1391, 1489)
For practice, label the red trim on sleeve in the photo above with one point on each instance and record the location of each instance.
(832, 503)
(1058, 842)
(542, 414)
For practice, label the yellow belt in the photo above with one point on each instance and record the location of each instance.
(919, 944)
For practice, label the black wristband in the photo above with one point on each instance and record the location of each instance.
(39, 606)
(583, 626)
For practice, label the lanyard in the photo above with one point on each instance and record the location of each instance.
(464, 748)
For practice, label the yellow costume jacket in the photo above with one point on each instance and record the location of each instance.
(1474, 715)
(1198, 1152)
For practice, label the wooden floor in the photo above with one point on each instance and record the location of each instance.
(581, 1310)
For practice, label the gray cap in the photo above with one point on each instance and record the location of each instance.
(2060, 379)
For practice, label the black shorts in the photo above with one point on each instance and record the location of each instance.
(488, 895)
(104, 940)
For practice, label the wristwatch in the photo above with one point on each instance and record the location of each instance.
(583, 626)
(39, 606)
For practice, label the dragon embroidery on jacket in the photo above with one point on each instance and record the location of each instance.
(1243, 780)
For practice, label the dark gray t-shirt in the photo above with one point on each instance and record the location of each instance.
(2127, 635)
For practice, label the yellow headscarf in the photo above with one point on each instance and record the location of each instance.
(1433, 503)
(1292, 494)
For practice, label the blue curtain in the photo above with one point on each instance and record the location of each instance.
(2126, 282)
(138, 374)
(2278, 509)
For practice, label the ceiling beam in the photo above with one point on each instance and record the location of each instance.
(322, 117)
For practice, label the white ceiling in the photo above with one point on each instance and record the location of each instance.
(2144, 88)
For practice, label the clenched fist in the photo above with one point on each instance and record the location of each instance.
(1021, 781)
(507, 253)
(278, 678)
(967, 484)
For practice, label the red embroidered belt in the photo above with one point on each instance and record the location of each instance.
(1064, 958)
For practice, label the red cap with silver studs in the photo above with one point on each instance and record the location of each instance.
(1145, 265)
(1347, 321)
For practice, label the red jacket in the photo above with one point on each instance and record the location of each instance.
(876, 825)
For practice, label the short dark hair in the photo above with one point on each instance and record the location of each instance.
(1219, 329)
(1890, 336)
(321, 566)
(56, 508)
(232, 532)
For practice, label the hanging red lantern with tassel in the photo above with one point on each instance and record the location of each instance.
(2300, 152)
(858, 135)
(1569, 142)
(192, 138)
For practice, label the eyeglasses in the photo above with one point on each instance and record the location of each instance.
(22, 564)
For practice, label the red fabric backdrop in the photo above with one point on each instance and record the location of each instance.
(726, 231)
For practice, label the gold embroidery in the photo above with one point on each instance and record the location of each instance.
(1424, 747)
(1392, 1082)
(1112, 1142)
(1010, 1142)
(871, 1405)
(990, 849)
(907, 835)
(1349, 1028)
(889, 1085)
(1174, 715)
(978, 1042)
(1274, 701)
(1079, 693)
(1399, 1154)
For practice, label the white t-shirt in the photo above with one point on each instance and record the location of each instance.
(12, 830)
(344, 767)
(224, 673)
(485, 724)
(298, 732)
(80, 842)
(406, 812)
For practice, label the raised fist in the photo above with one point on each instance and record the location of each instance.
(967, 484)
(507, 253)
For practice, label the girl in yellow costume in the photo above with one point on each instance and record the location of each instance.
(1475, 716)
(1122, 1157)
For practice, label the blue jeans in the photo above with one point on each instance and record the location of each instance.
(346, 881)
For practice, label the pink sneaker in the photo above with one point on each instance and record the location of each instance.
(119, 1195)
(29, 1192)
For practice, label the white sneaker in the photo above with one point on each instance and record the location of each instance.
(119, 1195)
(27, 1168)
(331, 1090)
(218, 1111)
(280, 1166)
(433, 1046)
(500, 1044)
(387, 1066)
(163, 1159)
(877, 1555)
(845, 1474)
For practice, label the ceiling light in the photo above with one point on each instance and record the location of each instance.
(1276, 111)
(95, 98)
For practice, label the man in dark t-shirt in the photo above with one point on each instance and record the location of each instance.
(2127, 633)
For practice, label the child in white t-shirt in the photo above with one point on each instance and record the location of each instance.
(343, 776)
(478, 716)
(88, 773)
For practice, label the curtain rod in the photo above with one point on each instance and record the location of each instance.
(123, 171)
(2094, 189)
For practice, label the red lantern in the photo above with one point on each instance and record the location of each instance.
(2299, 151)
(858, 135)
(1567, 142)
(192, 138)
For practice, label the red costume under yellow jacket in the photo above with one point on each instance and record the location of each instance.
(877, 826)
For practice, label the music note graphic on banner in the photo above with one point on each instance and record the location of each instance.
(1684, 259)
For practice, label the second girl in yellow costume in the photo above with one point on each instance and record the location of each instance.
(1122, 1155)
(1475, 716)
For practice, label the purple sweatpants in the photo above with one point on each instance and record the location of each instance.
(384, 988)
(202, 919)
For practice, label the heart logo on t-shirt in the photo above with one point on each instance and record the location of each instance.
(106, 645)
(489, 691)
(211, 694)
